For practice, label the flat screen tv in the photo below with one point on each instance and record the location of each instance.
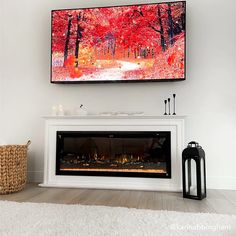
(134, 43)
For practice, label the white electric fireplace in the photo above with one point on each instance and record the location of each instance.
(114, 152)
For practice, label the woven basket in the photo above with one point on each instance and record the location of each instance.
(13, 167)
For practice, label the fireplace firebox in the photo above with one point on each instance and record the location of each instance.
(114, 153)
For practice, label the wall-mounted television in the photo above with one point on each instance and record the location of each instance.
(133, 43)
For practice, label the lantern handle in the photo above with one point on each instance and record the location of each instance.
(193, 144)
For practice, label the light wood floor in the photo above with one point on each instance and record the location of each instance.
(217, 201)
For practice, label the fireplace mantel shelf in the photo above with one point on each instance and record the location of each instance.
(114, 117)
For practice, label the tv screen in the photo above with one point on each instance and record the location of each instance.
(132, 43)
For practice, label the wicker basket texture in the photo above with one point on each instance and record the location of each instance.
(13, 167)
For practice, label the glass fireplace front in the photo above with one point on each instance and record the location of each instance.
(114, 153)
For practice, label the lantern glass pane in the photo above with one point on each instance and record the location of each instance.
(187, 185)
(202, 177)
(191, 177)
(193, 187)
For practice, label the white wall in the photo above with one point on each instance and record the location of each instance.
(207, 97)
(1, 73)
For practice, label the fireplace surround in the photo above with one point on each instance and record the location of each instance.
(143, 146)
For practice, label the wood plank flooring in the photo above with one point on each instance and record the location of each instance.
(217, 201)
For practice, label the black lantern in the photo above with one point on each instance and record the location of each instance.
(194, 172)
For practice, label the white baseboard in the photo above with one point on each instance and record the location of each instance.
(227, 182)
(35, 176)
(213, 182)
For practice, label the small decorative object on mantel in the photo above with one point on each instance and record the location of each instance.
(174, 95)
(165, 101)
(169, 106)
(81, 110)
(57, 110)
(54, 110)
(61, 111)
(194, 172)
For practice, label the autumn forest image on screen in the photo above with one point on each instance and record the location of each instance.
(141, 42)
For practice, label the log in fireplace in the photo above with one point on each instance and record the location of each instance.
(114, 153)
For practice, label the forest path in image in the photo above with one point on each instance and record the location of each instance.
(115, 73)
(126, 66)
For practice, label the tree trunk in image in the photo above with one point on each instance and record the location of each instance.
(183, 17)
(170, 24)
(67, 39)
(153, 53)
(78, 40)
(104, 50)
(163, 43)
(108, 47)
(114, 49)
(123, 52)
(128, 54)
